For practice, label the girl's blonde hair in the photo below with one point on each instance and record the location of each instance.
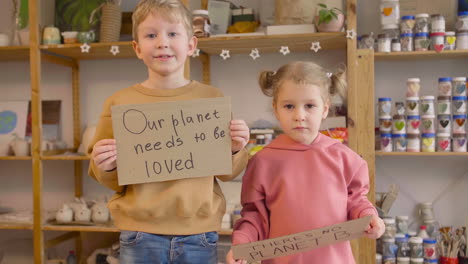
(172, 10)
(305, 72)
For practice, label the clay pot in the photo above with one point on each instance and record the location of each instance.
(335, 25)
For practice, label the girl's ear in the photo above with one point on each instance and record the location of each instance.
(326, 108)
(273, 105)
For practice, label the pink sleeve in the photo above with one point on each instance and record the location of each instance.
(254, 223)
(358, 187)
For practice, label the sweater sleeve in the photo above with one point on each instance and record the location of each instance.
(239, 161)
(104, 131)
(358, 187)
(254, 223)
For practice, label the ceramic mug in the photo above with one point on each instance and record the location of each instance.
(20, 147)
(51, 35)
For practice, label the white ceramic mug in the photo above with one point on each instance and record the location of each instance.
(20, 147)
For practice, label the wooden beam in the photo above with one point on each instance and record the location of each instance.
(204, 4)
(205, 60)
(59, 60)
(55, 241)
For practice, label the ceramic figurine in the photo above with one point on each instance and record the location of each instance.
(64, 215)
(51, 35)
(83, 214)
(100, 213)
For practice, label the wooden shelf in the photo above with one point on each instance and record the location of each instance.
(15, 158)
(379, 153)
(17, 226)
(61, 157)
(14, 53)
(421, 55)
(212, 46)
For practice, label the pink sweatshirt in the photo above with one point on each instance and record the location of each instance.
(290, 187)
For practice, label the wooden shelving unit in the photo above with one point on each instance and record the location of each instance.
(421, 55)
(60, 157)
(15, 53)
(16, 226)
(15, 158)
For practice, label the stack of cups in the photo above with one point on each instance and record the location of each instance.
(385, 124)
(444, 111)
(399, 128)
(459, 114)
(413, 119)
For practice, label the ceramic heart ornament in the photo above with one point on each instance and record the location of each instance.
(451, 40)
(399, 125)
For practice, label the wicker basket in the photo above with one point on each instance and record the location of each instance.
(111, 20)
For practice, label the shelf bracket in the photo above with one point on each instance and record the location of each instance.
(58, 59)
(55, 241)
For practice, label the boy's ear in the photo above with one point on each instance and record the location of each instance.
(136, 48)
(193, 41)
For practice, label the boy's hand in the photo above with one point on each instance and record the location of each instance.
(239, 135)
(376, 228)
(104, 154)
(230, 259)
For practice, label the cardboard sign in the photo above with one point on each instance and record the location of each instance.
(172, 140)
(300, 242)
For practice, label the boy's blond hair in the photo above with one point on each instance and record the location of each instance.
(172, 10)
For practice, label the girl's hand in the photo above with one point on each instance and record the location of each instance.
(375, 229)
(239, 135)
(104, 154)
(230, 259)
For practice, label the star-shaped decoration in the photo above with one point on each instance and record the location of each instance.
(196, 53)
(225, 54)
(254, 54)
(284, 50)
(350, 34)
(114, 50)
(85, 48)
(315, 46)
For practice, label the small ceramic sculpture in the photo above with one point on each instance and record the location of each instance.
(83, 214)
(100, 213)
(64, 215)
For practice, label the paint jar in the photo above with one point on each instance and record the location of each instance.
(444, 105)
(458, 124)
(427, 105)
(392, 30)
(399, 124)
(386, 142)
(462, 40)
(412, 105)
(385, 107)
(459, 142)
(443, 124)
(459, 105)
(462, 21)
(385, 125)
(406, 41)
(416, 260)
(396, 45)
(430, 251)
(402, 224)
(399, 142)
(443, 142)
(412, 124)
(389, 248)
(437, 41)
(459, 86)
(407, 24)
(399, 108)
(389, 12)
(403, 260)
(428, 125)
(414, 143)
(390, 228)
(437, 23)
(422, 23)
(450, 40)
(445, 86)
(428, 143)
(413, 86)
(403, 246)
(421, 41)
(416, 247)
(384, 43)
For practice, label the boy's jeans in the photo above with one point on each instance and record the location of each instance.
(143, 248)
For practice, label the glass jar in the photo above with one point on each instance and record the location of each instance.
(444, 105)
(385, 107)
(421, 41)
(386, 142)
(459, 86)
(414, 143)
(450, 40)
(396, 45)
(437, 41)
(367, 41)
(422, 23)
(406, 41)
(403, 260)
(443, 124)
(389, 12)
(443, 142)
(389, 248)
(462, 40)
(399, 142)
(385, 125)
(402, 224)
(413, 85)
(428, 143)
(201, 23)
(384, 43)
(391, 30)
(427, 105)
(416, 260)
(430, 251)
(412, 124)
(437, 23)
(459, 142)
(459, 105)
(416, 247)
(399, 124)
(412, 105)
(428, 124)
(445, 86)
(458, 124)
(390, 228)
(399, 108)
(407, 24)
(462, 21)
